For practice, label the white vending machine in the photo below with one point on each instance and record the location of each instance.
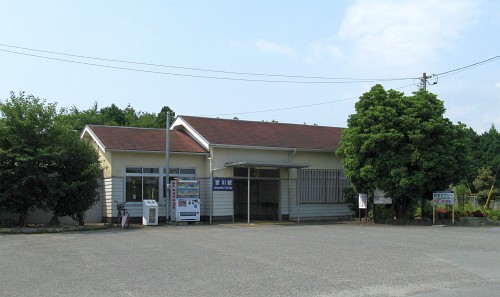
(185, 201)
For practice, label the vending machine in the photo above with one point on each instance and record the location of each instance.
(185, 201)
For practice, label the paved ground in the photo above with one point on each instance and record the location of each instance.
(343, 259)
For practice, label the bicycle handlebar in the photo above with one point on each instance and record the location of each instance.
(120, 206)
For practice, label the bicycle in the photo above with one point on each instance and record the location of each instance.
(123, 215)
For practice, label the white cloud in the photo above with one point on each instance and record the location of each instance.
(275, 48)
(324, 48)
(397, 32)
(497, 85)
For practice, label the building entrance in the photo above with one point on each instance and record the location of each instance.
(264, 194)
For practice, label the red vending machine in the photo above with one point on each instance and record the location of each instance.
(185, 201)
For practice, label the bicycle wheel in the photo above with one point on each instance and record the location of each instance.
(125, 222)
(119, 220)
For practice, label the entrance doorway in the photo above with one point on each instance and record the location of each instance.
(264, 194)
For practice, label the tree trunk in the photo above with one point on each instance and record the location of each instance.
(422, 207)
(81, 219)
(401, 209)
(23, 218)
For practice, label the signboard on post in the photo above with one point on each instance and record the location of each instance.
(363, 201)
(380, 198)
(443, 197)
(363, 204)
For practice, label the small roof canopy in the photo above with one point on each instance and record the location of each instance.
(253, 164)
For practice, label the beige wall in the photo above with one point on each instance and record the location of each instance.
(121, 160)
(317, 160)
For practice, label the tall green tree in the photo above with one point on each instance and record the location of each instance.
(402, 145)
(78, 176)
(483, 182)
(28, 137)
(162, 117)
(113, 116)
(43, 163)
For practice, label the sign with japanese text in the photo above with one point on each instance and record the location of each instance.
(223, 184)
(443, 197)
(363, 201)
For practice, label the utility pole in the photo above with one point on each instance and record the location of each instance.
(424, 82)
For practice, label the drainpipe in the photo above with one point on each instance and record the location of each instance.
(211, 206)
(289, 191)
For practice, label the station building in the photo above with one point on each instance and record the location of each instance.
(247, 170)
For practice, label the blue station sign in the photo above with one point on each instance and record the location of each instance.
(223, 184)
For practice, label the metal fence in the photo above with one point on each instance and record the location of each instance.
(317, 186)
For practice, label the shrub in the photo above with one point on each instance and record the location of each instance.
(443, 213)
(494, 214)
(477, 213)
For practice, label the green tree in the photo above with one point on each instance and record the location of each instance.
(77, 119)
(43, 163)
(402, 145)
(483, 183)
(113, 116)
(147, 120)
(162, 117)
(78, 172)
(27, 140)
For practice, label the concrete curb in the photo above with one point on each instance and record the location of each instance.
(53, 229)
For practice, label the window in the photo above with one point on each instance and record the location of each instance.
(142, 183)
(256, 173)
(149, 182)
(317, 186)
(178, 173)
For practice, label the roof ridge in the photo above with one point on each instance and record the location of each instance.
(260, 122)
(125, 127)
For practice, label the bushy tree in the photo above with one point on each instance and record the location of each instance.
(402, 145)
(483, 182)
(78, 172)
(114, 116)
(161, 117)
(28, 137)
(43, 163)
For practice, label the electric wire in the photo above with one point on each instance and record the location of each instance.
(291, 107)
(463, 68)
(327, 80)
(339, 79)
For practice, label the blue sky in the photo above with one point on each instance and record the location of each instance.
(353, 39)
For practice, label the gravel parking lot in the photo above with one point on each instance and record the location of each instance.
(312, 259)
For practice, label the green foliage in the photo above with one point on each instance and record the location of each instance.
(402, 145)
(27, 139)
(114, 116)
(78, 178)
(483, 183)
(494, 214)
(35, 156)
(486, 153)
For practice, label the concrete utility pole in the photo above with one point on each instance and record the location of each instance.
(423, 81)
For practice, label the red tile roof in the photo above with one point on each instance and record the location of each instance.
(265, 134)
(144, 139)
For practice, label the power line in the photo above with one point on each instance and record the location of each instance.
(328, 79)
(291, 107)
(460, 69)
